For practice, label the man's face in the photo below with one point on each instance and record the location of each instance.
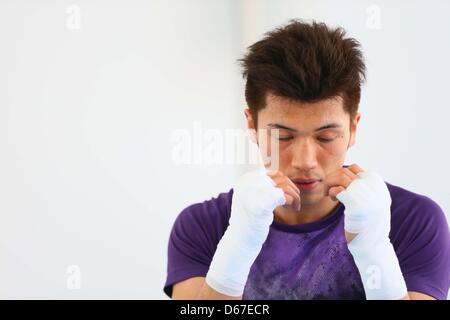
(312, 137)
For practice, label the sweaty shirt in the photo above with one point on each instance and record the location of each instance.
(312, 261)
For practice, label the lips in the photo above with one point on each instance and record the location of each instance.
(306, 184)
(301, 181)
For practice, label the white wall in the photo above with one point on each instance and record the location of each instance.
(87, 115)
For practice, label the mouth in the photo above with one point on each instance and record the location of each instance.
(306, 184)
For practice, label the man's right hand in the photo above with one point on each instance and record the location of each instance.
(255, 196)
(291, 191)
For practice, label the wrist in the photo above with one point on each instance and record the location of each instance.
(379, 269)
(234, 256)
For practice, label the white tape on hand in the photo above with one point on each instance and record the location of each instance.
(367, 213)
(254, 199)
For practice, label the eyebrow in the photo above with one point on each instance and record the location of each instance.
(327, 126)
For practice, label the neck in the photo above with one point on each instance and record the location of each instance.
(307, 213)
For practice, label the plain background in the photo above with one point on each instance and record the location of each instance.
(87, 114)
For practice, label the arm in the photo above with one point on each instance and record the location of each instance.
(256, 194)
(367, 224)
(197, 289)
(411, 295)
(255, 197)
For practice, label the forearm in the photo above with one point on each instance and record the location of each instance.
(380, 271)
(371, 261)
(367, 224)
(254, 199)
(208, 293)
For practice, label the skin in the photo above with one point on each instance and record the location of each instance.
(302, 153)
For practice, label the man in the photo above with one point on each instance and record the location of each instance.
(314, 228)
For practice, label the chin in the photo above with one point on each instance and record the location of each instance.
(312, 198)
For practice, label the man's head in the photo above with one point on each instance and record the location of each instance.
(300, 78)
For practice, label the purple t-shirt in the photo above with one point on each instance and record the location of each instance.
(312, 261)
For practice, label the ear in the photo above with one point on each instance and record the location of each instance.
(353, 129)
(248, 116)
(250, 125)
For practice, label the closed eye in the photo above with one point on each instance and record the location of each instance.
(325, 140)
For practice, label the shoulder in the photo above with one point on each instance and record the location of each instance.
(209, 217)
(409, 207)
(421, 239)
(194, 237)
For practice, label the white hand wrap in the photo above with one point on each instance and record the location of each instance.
(254, 199)
(367, 212)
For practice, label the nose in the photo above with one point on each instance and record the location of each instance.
(304, 157)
